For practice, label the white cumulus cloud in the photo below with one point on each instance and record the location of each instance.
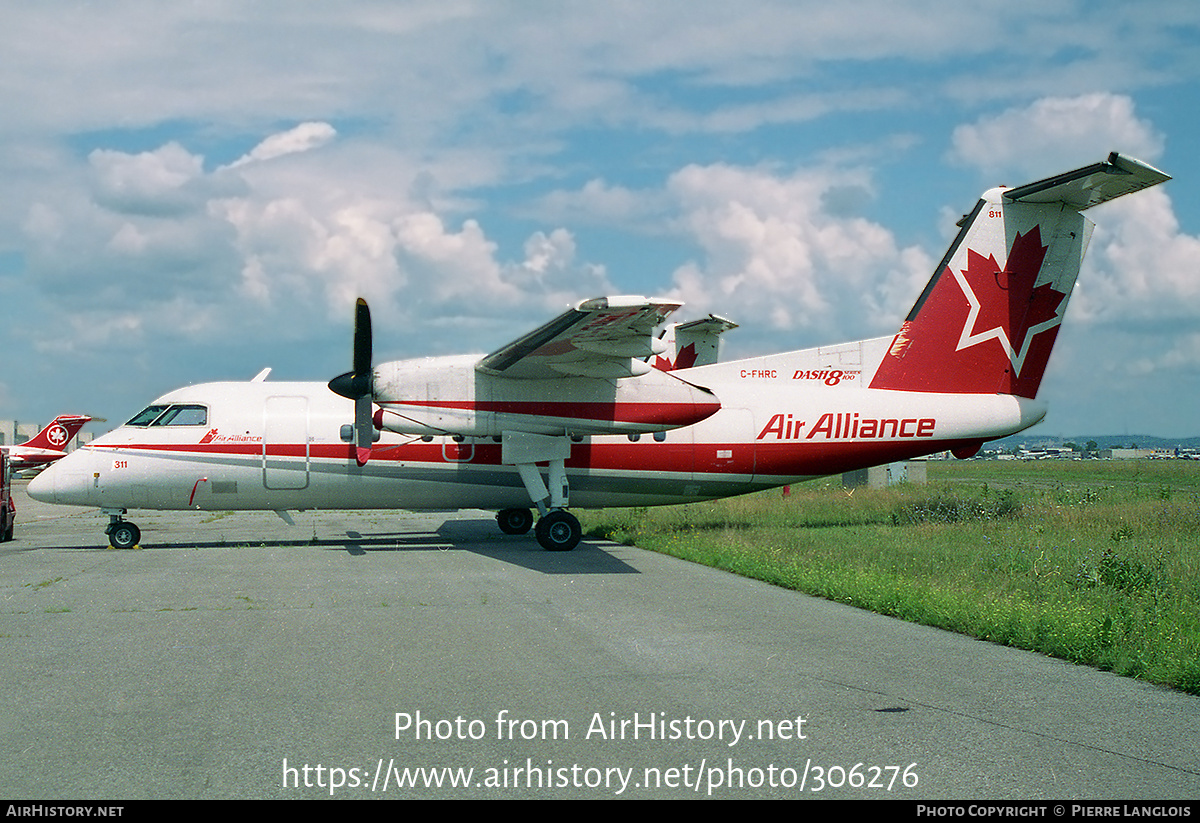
(305, 137)
(1053, 133)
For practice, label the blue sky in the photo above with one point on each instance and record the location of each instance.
(195, 191)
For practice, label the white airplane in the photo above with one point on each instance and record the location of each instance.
(580, 397)
(48, 445)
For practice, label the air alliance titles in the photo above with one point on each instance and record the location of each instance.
(846, 426)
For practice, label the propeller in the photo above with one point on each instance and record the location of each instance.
(356, 384)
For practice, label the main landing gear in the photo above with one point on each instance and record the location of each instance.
(121, 533)
(557, 530)
(515, 521)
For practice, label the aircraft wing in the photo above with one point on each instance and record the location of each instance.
(606, 337)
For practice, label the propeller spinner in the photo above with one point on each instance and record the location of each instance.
(356, 384)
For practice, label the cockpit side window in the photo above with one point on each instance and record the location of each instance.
(183, 415)
(180, 414)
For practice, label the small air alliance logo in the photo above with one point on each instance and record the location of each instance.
(215, 436)
(57, 436)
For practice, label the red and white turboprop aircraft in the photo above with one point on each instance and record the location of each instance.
(582, 397)
(48, 445)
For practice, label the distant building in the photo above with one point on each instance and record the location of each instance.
(878, 477)
(13, 433)
(1136, 454)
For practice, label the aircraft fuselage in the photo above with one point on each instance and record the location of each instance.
(285, 446)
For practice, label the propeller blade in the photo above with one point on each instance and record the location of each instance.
(362, 338)
(357, 385)
(364, 429)
(357, 382)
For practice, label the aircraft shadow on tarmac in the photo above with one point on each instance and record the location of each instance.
(586, 558)
(589, 557)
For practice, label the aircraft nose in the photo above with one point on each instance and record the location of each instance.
(41, 487)
(65, 481)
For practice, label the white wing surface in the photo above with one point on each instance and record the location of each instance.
(606, 337)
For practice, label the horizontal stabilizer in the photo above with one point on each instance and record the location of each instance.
(1091, 185)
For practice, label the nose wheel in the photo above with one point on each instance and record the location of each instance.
(121, 533)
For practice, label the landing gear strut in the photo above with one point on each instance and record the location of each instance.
(557, 529)
(121, 533)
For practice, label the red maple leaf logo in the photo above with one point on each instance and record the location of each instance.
(685, 358)
(982, 327)
(1004, 303)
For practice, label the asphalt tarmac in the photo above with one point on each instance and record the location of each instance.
(396, 655)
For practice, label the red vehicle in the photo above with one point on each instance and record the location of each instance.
(8, 513)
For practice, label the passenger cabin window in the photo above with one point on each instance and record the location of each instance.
(179, 414)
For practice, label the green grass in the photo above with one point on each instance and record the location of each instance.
(1096, 562)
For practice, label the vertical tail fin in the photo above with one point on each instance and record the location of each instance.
(697, 343)
(58, 433)
(988, 318)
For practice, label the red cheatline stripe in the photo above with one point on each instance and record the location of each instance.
(761, 459)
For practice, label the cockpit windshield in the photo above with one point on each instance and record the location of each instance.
(178, 414)
(146, 416)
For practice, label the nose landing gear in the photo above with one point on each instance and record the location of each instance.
(121, 533)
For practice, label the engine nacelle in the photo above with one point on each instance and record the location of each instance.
(435, 396)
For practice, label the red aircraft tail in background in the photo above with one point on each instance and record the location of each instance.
(49, 444)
